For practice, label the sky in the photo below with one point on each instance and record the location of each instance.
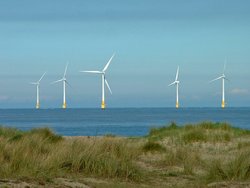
(150, 39)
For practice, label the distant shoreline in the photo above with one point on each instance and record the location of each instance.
(97, 108)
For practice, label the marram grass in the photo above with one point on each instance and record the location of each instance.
(40, 153)
(199, 155)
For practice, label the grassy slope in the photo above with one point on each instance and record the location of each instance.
(172, 156)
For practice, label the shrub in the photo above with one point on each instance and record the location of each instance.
(46, 133)
(152, 146)
(242, 145)
(9, 132)
(15, 138)
(195, 135)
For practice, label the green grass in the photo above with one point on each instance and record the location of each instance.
(202, 132)
(171, 130)
(169, 156)
(194, 135)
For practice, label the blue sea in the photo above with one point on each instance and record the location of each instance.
(118, 121)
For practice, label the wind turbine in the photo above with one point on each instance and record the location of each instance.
(223, 78)
(37, 91)
(64, 80)
(104, 80)
(176, 82)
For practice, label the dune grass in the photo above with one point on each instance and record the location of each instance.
(40, 154)
(236, 169)
(202, 132)
(208, 152)
(179, 156)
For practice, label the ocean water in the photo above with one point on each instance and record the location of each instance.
(118, 121)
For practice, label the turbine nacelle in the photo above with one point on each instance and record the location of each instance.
(64, 76)
(38, 82)
(103, 73)
(174, 83)
(219, 78)
(94, 72)
(176, 78)
(34, 83)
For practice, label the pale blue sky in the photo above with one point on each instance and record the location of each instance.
(150, 38)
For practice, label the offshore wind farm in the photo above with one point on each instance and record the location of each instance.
(104, 82)
(124, 93)
(147, 53)
(140, 72)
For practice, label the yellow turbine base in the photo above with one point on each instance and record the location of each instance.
(64, 106)
(223, 104)
(37, 106)
(103, 106)
(177, 105)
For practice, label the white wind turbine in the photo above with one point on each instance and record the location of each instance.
(176, 82)
(64, 80)
(104, 80)
(37, 91)
(223, 78)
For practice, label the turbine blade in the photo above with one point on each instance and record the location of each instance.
(57, 81)
(95, 72)
(106, 82)
(68, 83)
(177, 74)
(172, 83)
(42, 77)
(215, 79)
(34, 83)
(107, 65)
(66, 68)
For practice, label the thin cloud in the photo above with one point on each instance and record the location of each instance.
(4, 98)
(238, 91)
(120, 10)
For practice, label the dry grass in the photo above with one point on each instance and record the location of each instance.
(171, 156)
(40, 154)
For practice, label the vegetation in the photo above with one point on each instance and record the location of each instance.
(152, 146)
(40, 154)
(201, 155)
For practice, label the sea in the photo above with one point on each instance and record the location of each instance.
(118, 121)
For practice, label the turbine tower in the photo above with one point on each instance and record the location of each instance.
(176, 82)
(64, 81)
(223, 78)
(37, 91)
(104, 80)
